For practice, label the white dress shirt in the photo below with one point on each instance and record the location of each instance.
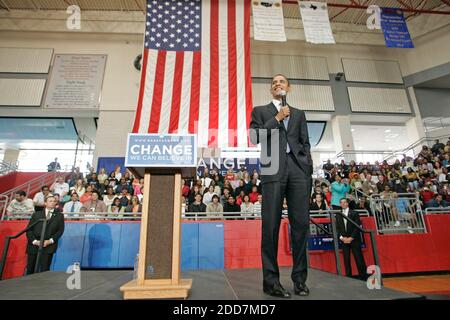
(345, 212)
(68, 207)
(277, 104)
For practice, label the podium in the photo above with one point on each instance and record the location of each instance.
(159, 271)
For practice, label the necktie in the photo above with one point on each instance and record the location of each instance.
(345, 220)
(72, 209)
(286, 122)
(49, 215)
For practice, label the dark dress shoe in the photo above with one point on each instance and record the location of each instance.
(277, 291)
(301, 289)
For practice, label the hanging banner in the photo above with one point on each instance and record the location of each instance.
(316, 22)
(395, 29)
(268, 21)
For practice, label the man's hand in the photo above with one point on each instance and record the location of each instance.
(47, 243)
(36, 243)
(347, 240)
(284, 112)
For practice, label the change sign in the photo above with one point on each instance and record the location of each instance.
(154, 150)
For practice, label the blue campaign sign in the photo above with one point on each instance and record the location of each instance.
(393, 24)
(155, 150)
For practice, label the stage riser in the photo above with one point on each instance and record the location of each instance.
(228, 244)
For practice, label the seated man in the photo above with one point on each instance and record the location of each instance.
(74, 205)
(20, 205)
(197, 205)
(437, 202)
(232, 207)
(39, 198)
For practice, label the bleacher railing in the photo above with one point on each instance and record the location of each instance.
(411, 219)
(398, 215)
(133, 216)
(445, 210)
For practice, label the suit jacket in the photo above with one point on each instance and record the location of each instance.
(263, 117)
(54, 230)
(350, 230)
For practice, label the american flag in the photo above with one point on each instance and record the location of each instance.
(196, 71)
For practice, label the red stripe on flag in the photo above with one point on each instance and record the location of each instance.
(157, 92)
(195, 92)
(137, 118)
(232, 75)
(214, 76)
(248, 75)
(176, 92)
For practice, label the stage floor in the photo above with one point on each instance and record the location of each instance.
(242, 284)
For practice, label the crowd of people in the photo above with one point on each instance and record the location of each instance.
(426, 175)
(232, 193)
(235, 192)
(113, 193)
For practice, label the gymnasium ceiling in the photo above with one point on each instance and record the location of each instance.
(337, 14)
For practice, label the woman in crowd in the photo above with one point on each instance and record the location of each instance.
(78, 188)
(246, 205)
(194, 191)
(215, 205)
(219, 183)
(102, 176)
(240, 198)
(135, 206)
(317, 190)
(207, 197)
(240, 188)
(86, 195)
(117, 173)
(113, 182)
(254, 194)
(412, 178)
(109, 197)
(227, 185)
(319, 203)
(230, 175)
(127, 177)
(115, 208)
(185, 190)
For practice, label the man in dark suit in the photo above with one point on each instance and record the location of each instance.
(350, 236)
(53, 231)
(286, 169)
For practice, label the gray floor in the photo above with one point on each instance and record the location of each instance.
(243, 284)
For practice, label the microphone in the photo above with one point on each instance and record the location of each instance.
(283, 98)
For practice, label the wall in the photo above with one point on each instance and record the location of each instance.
(120, 86)
(430, 51)
(16, 179)
(433, 102)
(121, 82)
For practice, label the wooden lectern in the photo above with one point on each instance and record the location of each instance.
(158, 274)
